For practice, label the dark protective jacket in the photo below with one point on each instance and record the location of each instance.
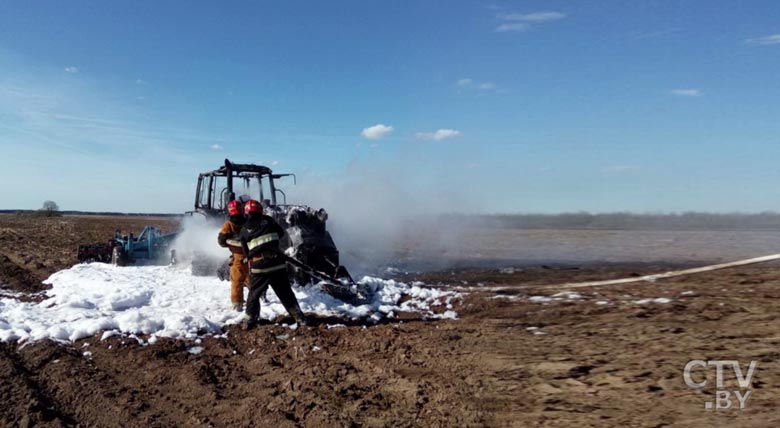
(260, 238)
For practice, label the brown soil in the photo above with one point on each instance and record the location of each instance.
(34, 247)
(615, 365)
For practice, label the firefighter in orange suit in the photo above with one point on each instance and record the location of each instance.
(239, 270)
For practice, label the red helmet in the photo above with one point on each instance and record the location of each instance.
(234, 207)
(252, 206)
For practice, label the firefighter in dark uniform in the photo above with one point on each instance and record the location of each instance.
(260, 241)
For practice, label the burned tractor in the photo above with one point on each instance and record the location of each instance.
(307, 244)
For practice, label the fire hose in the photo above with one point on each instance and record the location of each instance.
(671, 274)
(343, 287)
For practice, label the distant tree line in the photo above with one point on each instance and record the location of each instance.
(95, 213)
(625, 220)
(577, 220)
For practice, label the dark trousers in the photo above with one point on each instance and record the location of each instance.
(279, 281)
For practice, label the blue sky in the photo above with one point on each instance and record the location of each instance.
(532, 106)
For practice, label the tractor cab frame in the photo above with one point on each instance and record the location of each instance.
(217, 188)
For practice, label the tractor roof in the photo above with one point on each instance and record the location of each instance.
(237, 168)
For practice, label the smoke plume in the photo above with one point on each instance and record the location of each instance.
(389, 215)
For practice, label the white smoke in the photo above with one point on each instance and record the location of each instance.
(198, 236)
(390, 214)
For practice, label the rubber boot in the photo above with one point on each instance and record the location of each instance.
(249, 324)
(298, 316)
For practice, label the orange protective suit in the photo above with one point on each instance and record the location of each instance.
(239, 271)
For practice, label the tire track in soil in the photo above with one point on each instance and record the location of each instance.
(152, 384)
(24, 399)
(94, 396)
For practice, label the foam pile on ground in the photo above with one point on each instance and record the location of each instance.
(660, 300)
(167, 301)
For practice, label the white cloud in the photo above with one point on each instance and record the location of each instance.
(274, 162)
(514, 26)
(377, 131)
(216, 147)
(467, 84)
(687, 92)
(522, 21)
(71, 69)
(543, 16)
(773, 39)
(140, 81)
(439, 135)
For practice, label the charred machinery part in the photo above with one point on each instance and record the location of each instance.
(339, 285)
(223, 271)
